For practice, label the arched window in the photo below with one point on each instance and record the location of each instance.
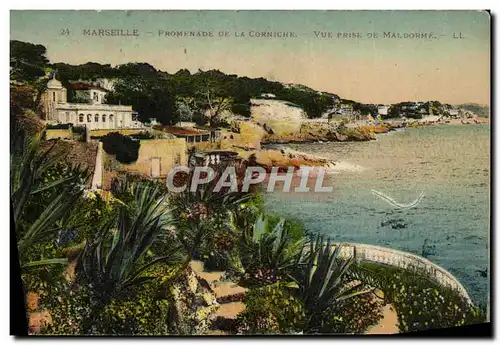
(111, 118)
(80, 118)
(103, 117)
(89, 117)
(96, 118)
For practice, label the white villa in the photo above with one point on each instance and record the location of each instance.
(454, 112)
(383, 110)
(93, 115)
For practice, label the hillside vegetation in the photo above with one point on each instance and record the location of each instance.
(202, 96)
(478, 109)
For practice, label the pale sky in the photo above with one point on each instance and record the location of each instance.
(370, 70)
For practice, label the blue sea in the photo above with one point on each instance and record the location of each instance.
(450, 164)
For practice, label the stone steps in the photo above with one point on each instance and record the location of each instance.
(209, 277)
(229, 296)
(227, 292)
(230, 310)
(216, 332)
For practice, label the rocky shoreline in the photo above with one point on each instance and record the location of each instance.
(326, 133)
(275, 155)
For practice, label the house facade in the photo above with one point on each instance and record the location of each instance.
(94, 114)
(346, 109)
(383, 110)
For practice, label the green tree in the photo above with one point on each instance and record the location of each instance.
(149, 92)
(123, 147)
(27, 61)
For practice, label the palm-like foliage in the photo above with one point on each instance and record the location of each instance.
(29, 163)
(118, 258)
(323, 280)
(270, 254)
(194, 208)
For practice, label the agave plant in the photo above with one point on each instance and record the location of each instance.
(118, 259)
(29, 163)
(323, 280)
(269, 255)
(195, 209)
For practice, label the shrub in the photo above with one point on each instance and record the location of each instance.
(324, 282)
(353, 316)
(142, 311)
(271, 310)
(422, 304)
(78, 129)
(60, 126)
(124, 148)
(241, 109)
(141, 314)
(222, 238)
(269, 253)
(295, 228)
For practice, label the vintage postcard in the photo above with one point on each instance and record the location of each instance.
(250, 172)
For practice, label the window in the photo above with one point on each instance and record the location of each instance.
(67, 117)
(80, 118)
(96, 118)
(96, 96)
(89, 118)
(111, 118)
(54, 96)
(103, 117)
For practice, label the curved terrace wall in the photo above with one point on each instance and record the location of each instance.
(405, 260)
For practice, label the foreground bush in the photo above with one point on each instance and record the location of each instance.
(271, 309)
(325, 283)
(353, 316)
(270, 254)
(143, 310)
(421, 304)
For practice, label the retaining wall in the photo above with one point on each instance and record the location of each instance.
(103, 132)
(405, 260)
(58, 134)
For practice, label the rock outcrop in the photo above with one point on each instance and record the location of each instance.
(315, 132)
(278, 117)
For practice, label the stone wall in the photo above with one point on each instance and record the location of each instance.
(58, 134)
(405, 260)
(161, 154)
(103, 132)
(249, 137)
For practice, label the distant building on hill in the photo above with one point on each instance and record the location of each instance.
(383, 110)
(268, 95)
(453, 112)
(93, 114)
(346, 109)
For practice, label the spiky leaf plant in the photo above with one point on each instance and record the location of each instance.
(119, 258)
(323, 280)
